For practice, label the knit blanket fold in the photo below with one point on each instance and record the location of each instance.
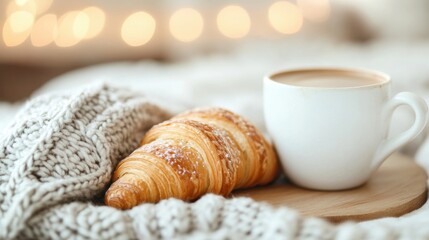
(64, 147)
(57, 158)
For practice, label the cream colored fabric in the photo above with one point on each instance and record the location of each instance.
(62, 148)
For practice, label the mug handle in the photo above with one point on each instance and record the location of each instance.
(388, 146)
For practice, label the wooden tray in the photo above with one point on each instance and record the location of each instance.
(398, 187)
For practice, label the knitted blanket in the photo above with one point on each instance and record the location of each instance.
(57, 159)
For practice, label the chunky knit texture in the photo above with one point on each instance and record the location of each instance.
(57, 160)
(63, 148)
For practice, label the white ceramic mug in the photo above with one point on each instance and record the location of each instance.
(334, 137)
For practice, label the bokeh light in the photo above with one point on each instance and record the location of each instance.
(44, 30)
(186, 24)
(27, 6)
(285, 17)
(21, 2)
(97, 18)
(21, 21)
(42, 5)
(138, 29)
(315, 10)
(233, 22)
(72, 28)
(81, 25)
(12, 38)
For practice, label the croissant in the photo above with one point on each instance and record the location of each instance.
(201, 151)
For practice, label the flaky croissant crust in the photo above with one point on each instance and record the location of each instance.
(201, 151)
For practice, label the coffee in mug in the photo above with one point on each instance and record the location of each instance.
(327, 80)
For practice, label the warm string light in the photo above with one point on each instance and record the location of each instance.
(45, 30)
(185, 24)
(72, 28)
(97, 18)
(233, 22)
(20, 2)
(285, 17)
(17, 27)
(76, 26)
(68, 31)
(36, 7)
(28, 6)
(21, 21)
(138, 29)
(42, 5)
(11, 36)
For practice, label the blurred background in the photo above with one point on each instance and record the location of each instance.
(188, 53)
(44, 38)
(41, 39)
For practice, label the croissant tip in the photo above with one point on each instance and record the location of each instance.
(119, 198)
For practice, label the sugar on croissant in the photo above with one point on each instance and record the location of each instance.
(201, 151)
